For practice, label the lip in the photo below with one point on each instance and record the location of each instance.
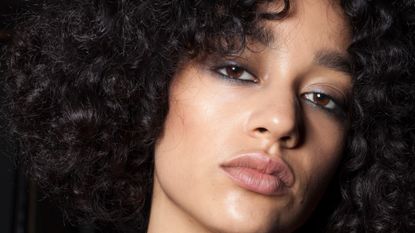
(259, 173)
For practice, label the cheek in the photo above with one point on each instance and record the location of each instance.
(191, 124)
(179, 151)
(186, 149)
(323, 150)
(181, 157)
(200, 114)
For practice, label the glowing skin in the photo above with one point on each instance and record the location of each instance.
(274, 112)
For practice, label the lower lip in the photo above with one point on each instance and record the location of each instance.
(256, 181)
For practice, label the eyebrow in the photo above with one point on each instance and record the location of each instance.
(333, 60)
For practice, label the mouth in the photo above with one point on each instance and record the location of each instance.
(259, 173)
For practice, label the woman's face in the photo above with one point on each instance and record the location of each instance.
(250, 142)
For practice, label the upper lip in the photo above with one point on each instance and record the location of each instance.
(264, 164)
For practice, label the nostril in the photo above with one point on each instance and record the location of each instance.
(290, 141)
(262, 130)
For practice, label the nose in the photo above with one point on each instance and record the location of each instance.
(277, 122)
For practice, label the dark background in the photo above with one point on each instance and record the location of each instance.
(8, 173)
(23, 209)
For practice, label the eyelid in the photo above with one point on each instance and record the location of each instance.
(226, 64)
(339, 96)
(340, 109)
(325, 95)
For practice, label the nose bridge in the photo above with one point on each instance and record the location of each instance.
(276, 116)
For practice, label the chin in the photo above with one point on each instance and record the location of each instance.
(250, 221)
(253, 225)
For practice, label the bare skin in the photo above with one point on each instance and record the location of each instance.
(283, 102)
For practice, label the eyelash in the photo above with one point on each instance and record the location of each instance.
(335, 108)
(222, 70)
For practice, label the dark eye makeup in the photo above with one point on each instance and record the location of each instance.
(326, 102)
(236, 73)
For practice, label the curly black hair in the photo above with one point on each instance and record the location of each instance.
(86, 95)
(378, 176)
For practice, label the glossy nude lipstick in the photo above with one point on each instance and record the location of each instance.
(259, 173)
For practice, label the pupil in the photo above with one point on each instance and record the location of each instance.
(321, 99)
(234, 72)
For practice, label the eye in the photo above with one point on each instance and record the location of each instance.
(321, 100)
(237, 73)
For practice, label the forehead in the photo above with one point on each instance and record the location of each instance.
(319, 24)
